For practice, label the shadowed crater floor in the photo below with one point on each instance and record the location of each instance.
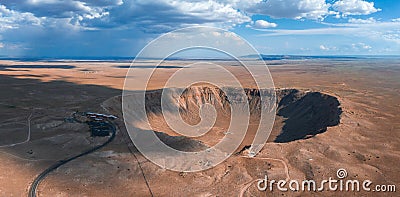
(305, 114)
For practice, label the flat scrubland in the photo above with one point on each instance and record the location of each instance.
(332, 114)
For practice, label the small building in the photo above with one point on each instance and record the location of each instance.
(99, 129)
(98, 123)
(100, 132)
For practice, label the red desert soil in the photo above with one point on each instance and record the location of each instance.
(361, 134)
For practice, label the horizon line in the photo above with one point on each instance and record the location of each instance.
(251, 56)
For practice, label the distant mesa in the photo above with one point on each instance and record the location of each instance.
(148, 66)
(27, 66)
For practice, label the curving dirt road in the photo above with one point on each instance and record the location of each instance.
(248, 184)
(38, 179)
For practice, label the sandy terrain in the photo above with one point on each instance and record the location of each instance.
(42, 96)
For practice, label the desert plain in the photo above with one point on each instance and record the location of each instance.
(38, 99)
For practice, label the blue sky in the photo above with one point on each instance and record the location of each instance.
(98, 28)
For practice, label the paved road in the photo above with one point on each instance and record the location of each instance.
(38, 179)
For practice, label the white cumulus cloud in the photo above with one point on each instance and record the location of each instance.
(361, 46)
(322, 47)
(325, 48)
(164, 15)
(362, 21)
(152, 16)
(296, 9)
(355, 7)
(396, 20)
(10, 19)
(262, 24)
